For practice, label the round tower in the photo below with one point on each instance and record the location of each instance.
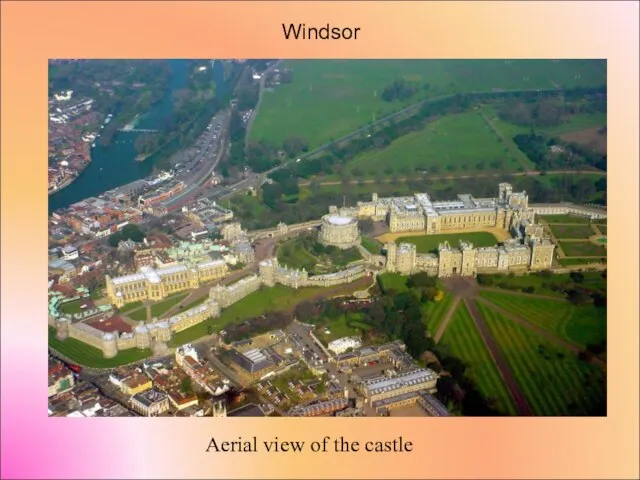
(62, 328)
(109, 345)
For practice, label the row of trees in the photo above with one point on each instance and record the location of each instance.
(552, 153)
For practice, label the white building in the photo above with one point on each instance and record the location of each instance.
(341, 345)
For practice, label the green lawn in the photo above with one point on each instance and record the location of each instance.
(342, 326)
(430, 243)
(74, 307)
(573, 232)
(542, 284)
(89, 356)
(331, 98)
(464, 341)
(139, 315)
(393, 281)
(603, 229)
(462, 142)
(552, 379)
(571, 123)
(195, 303)
(433, 313)
(581, 325)
(131, 306)
(567, 219)
(268, 299)
(582, 249)
(371, 245)
(158, 309)
(569, 262)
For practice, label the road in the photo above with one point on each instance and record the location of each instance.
(211, 146)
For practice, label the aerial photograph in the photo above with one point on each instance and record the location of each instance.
(328, 238)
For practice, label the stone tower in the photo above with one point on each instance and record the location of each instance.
(391, 249)
(109, 345)
(62, 328)
(268, 269)
(468, 268)
(405, 258)
(541, 254)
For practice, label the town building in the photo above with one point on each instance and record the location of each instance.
(150, 403)
(387, 386)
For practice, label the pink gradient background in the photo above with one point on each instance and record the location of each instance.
(34, 446)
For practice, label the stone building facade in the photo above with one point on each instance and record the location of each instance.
(155, 284)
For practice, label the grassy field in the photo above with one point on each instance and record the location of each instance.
(573, 232)
(464, 341)
(568, 262)
(343, 326)
(74, 307)
(331, 98)
(139, 315)
(158, 309)
(461, 142)
(89, 356)
(572, 123)
(433, 313)
(269, 299)
(581, 325)
(393, 281)
(429, 243)
(603, 229)
(566, 219)
(552, 379)
(542, 285)
(582, 249)
(371, 245)
(131, 306)
(195, 303)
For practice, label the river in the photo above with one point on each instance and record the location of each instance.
(115, 164)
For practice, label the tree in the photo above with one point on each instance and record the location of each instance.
(186, 386)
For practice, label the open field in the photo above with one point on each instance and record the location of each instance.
(71, 308)
(543, 285)
(594, 138)
(553, 380)
(568, 262)
(393, 281)
(464, 341)
(430, 243)
(581, 325)
(131, 306)
(161, 307)
(603, 229)
(433, 313)
(461, 142)
(564, 219)
(89, 356)
(582, 249)
(572, 231)
(371, 245)
(342, 326)
(330, 98)
(571, 125)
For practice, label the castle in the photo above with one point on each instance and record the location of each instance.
(528, 249)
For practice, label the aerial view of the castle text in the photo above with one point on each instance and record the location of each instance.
(349, 238)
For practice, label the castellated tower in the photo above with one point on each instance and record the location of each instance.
(391, 249)
(468, 267)
(109, 345)
(405, 258)
(62, 328)
(504, 192)
(268, 269)
(541, 254)
(143, 337)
